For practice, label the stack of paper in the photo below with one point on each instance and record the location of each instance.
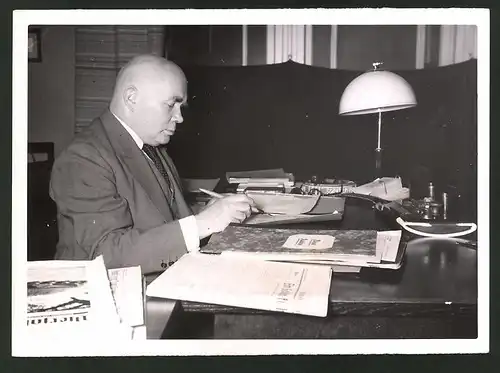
(261, 178)
(351, 248)
(247, 283)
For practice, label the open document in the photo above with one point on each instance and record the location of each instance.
(281, 203)
(247, 283)
(309, 209)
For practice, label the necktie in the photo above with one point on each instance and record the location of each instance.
(155, 157)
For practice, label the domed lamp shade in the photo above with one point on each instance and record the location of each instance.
(377, 91)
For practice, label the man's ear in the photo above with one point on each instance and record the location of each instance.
(130, 97)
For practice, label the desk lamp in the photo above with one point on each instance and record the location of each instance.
(377, 91)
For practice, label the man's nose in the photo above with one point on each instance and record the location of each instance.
(178, 118)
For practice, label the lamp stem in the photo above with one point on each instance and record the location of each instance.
(379, 129)
(378, 151)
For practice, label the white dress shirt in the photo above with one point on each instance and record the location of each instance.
(188, 224)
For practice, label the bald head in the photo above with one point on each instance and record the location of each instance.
(148, 96)
(146, 71)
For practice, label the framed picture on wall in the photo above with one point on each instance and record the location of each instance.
(34, 45)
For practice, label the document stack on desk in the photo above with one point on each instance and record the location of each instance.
(79, 300)
(247, 283)
(261, 179)
(344, 250)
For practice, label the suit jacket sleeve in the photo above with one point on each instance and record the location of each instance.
(96, 220)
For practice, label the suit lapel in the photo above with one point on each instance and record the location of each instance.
(134, 158)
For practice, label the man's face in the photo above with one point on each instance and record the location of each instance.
(158, 108)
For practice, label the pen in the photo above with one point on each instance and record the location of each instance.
(212, 194)
(217, 195)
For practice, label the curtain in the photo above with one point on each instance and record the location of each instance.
(286, 43)
(458, 43)
(100, 53)
(349, 47)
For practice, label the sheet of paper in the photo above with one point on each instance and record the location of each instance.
(281, 203)
(248, 283)
(126, 285)
(139, 333)
(388, 188)
(194, 185)
(388, 245)
(309, 242)
(105, 311)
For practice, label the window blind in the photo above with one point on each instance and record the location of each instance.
(100, 53)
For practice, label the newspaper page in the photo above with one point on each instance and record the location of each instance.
(127, 288)
(58, 294)
(71, 299)
(246, 282)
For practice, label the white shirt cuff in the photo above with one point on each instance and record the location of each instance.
(190, 232)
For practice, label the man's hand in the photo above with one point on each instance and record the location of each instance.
(222, 212)
(214, 199)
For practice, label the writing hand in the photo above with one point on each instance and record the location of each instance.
(222, 212)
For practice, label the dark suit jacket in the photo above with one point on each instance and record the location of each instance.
(111, 201)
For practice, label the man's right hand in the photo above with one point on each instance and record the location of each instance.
(216, 217)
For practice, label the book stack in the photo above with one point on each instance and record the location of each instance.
(271, 179)
(281, 270)
(343, 250)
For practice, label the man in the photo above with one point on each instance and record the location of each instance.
(118, 193)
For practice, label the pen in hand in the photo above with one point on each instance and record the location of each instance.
(217, 195)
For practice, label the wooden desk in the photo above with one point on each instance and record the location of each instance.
(434, 295)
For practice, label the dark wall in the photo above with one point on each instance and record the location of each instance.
(42, 211)
(321, 45)
(286, 115)
(51, 88)
(51, 125)
(205, 45)
(358, 46)
(361, 45)
(257, 48)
